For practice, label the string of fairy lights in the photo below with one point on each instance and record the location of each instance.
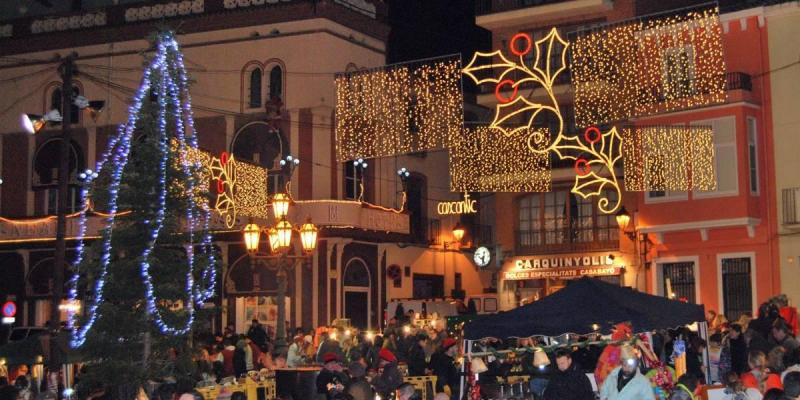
(398, 110)
(668, 158)
(644, 67)
(165, 75)
(481, 163)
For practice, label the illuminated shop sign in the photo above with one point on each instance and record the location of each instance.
(466, 206)
(564, 267)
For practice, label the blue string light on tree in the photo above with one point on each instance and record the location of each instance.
(173, 105)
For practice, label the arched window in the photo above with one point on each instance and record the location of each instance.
(55, 103)
(356, 274)
(45, 174)
(276, 82)
(255, 88)
(261, 144)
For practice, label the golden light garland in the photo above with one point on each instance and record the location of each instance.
(617, 74)
(646, 67)
(479, 162)
(398, 110)
(675, 158)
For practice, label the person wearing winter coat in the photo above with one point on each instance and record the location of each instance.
(626, 382)
(390, 378)
(443, 366)
(416, 356)
(568, 383)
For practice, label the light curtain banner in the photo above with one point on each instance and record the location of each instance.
(648, 66)
(399, 109)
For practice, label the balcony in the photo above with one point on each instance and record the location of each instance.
(494, 14)
(791, 205)
(567, 240)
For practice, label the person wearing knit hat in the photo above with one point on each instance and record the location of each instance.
(443, 365)
(331, 380)
(390, 377)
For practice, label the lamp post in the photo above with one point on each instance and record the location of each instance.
(279, 258)
(33, 124)
(640, 241)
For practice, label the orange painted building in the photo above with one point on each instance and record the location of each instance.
(715, 248)
(718, 248)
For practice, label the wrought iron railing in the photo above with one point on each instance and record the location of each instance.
(567, 240)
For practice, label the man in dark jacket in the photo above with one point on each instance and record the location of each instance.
(416, 356)
(390, 378)
(258, 335)
(443, 366)
(568, 383)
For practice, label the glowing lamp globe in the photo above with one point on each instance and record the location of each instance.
(284, 229)
(280, 205)
(308, 236)
(623, 218)
(252, 233)
(458, 232)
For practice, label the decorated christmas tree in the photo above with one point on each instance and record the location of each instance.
(144, 280)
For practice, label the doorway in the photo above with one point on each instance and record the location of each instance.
(357, 297)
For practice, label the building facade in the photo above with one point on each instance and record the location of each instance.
(782, 22)
(263, 88)
(714, 248)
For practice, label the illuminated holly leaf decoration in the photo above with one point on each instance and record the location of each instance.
(544, 48)
(592, 185)
(483, 64)
(507, 112)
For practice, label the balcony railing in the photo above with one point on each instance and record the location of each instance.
(791, 196)
(483, 7)
(483, 235)
(567, 240)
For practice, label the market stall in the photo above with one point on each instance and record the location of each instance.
(586, 306)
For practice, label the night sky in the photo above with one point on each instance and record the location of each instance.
(430, 28)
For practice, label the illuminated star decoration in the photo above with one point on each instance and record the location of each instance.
(174, 115)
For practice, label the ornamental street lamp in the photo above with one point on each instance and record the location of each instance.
(458, 232)
(33, 124)
(280, 244)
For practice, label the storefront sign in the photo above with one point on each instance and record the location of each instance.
(560, 262)
(466, 206)
(561, 267)
(562, 273)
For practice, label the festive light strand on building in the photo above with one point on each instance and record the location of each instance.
(166, 62)
(398, 110)
(483, 161)
(674, 158)
(646, 67)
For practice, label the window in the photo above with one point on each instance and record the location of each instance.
(555, 53)
(45, 176)
(678, 67)
(679, 281)
(752, 155)
(51, 200)
(737, 289)
(658, 196)
(276, 82)
(562, 219)
(353, 180)
(726, 172)
(255, 88)
(55, 103)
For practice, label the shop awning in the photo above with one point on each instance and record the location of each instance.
(584, 306)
